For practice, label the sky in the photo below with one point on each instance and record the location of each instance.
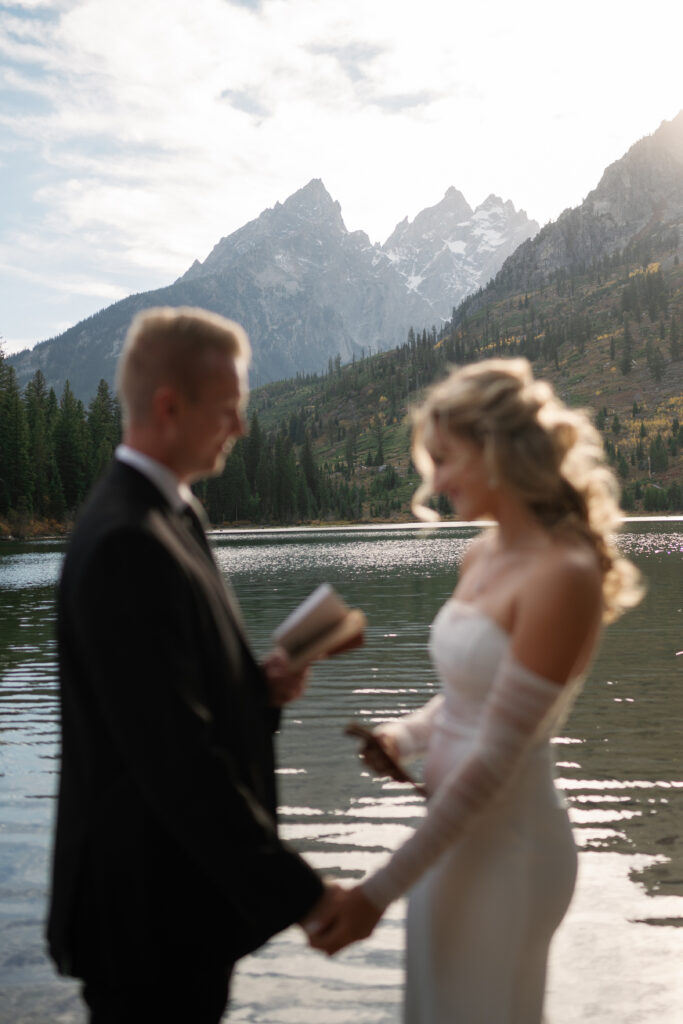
(135, 134)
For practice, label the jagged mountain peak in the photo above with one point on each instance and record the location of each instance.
(310, 210)
(494, 202)
(667, 138)
(307, 289)
(313, 203)
(449, 249)
(650, 163)
(431, 222)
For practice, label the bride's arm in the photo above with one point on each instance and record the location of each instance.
(549, 635)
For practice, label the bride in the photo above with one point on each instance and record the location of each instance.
(491, 868)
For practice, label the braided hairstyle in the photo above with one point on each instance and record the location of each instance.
(549, 455)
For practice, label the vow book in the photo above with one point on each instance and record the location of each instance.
(322, 625)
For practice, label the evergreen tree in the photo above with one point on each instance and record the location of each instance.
(55, 506)
(228, 496)
(626, 360)
(71, 448)
(103, 427)
(675, 497)
(36, 403)
(309, 469)
(16, 475)
(264, 483)
(659, 460)
(674, 340)
(252, 450)
(655, 360)
(379, 436)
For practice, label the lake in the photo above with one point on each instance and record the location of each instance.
(617, 957)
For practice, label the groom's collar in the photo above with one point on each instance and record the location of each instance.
(177, 494)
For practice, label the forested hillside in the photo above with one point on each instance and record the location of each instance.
(335, 446)
(609, 337)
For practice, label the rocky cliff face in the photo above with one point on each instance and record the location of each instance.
(450, 250)
(321, 289)
(639, 200)
(306, 289)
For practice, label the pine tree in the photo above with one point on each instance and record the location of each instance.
(674, 340)
(71, 448)
(16, 475)
(36, 403)
(252, 451)
(309, 468)
(103, 428)
(626, 361)
(228, 496)
(659, 460)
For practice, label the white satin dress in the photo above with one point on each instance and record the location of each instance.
(480, 921)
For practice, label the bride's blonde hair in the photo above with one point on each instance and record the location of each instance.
(550, 456)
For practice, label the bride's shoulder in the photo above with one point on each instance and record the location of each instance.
(478, 548)
(571, 570)
(558, 612)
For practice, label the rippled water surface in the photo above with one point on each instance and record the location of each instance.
(617, 958)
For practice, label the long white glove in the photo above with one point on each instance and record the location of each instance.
(519, 705)
(411, 733)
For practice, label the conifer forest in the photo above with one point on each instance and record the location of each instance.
(335, 446)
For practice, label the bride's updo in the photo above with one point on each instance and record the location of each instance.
(550, 456)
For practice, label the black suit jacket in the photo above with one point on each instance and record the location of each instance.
(166, 848)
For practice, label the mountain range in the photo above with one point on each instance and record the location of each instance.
(307, 289)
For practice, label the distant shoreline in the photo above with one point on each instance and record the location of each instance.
(49, 530)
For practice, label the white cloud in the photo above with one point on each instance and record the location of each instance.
(152, 129)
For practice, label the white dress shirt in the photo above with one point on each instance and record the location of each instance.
(177, 494)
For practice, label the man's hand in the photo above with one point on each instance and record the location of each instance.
(326, 906)
(347, 916)
(283, 684)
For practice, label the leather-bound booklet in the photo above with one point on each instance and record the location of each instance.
(384, 762)
(322, 625)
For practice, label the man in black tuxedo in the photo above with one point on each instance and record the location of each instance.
(167, 862)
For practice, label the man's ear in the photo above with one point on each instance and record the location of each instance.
(166, 405)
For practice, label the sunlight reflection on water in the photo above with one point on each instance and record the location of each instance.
(619, 768)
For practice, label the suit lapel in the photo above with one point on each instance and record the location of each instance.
(188, 530)
(195, 539)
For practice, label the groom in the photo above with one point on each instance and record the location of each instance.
(167, 862)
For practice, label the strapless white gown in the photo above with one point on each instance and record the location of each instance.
(481, 920)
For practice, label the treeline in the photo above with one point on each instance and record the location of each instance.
(275, 477)
(650, 452)
(51, 450)
(335, 445)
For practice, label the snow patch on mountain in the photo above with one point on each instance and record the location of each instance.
(449, 250)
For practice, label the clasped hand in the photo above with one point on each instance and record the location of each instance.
(340, 917)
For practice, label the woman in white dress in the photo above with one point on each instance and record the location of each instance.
(491, 868)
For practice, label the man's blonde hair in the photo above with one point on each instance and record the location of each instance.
(168, 346)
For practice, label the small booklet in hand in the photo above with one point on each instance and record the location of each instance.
(321, 626)
(389, 766)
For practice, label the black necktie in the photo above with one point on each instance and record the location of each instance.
(193, 522)
(192, 519)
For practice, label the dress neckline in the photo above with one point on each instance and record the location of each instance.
(475, 612)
